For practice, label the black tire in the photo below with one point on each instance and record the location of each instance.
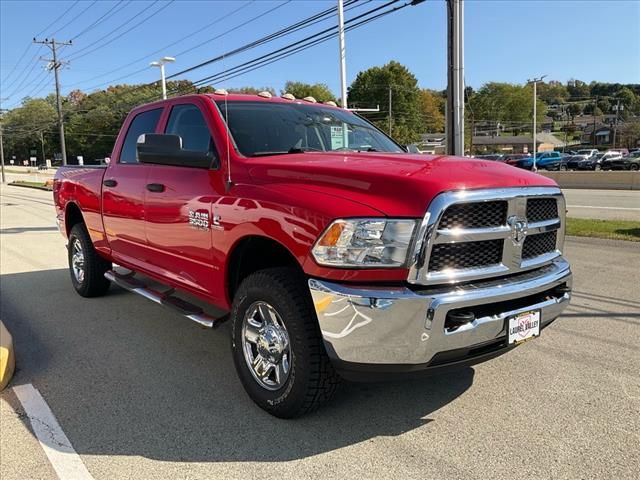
(563, 168)
(597, 168)
(92, 282)
(311, 379)
(634, 166)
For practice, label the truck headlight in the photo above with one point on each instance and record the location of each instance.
(365, 242)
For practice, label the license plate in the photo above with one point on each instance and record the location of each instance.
(524, 326)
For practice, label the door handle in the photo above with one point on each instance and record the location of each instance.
(110, 183)
(155, 187)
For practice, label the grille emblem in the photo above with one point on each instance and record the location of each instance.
(519, 227)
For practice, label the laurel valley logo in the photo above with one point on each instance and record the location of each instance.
(519, 227)
(199, 219)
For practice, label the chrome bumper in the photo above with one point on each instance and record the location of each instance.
(400, 326)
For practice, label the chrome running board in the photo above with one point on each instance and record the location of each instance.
(183, 307)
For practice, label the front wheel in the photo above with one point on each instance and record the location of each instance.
(635, 167)
(86, 267)
(277, 346)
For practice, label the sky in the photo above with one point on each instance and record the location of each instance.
(505, 41)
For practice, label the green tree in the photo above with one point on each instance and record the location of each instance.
(553, 92)
(574, 109)
(578, 90)
(26, 126)
(432, 106)
(506, 103)
(319, 91)
(252, 90)
(630, 134)
(392, 83)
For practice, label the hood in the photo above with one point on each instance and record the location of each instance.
(394, 184)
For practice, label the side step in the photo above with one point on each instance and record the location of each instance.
(189, 310)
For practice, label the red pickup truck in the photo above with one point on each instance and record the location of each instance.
(332, 251)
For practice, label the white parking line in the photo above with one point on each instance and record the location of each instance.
(603, 208)
(64, 459)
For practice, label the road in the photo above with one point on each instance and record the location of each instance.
(142, 393)
(603, 204)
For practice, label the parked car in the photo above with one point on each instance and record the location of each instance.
(589, 152)
(412, 148)
(493, 156)
(595, 163)
(328, 260)
(573, 162)
(514, 156)
(544, 161)
(630, 162)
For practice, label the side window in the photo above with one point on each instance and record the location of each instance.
(188, 122)
(144, 122)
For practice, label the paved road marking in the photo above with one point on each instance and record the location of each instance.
(602, 208)
(64, 459)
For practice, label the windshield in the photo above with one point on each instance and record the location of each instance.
(264, 128)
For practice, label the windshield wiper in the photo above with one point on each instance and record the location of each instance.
(282, 152)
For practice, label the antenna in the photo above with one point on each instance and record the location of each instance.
(226, 116)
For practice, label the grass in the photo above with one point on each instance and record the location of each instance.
(610, 229)
(38, 185)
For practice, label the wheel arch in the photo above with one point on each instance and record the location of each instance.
(252, 253)
(72, 216)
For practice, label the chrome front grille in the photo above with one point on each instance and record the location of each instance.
(474, 215)
(539, 209)
(465, 255)
(540, 244)
(475, 234)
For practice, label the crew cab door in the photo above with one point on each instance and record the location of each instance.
(178, 205)
(123, 192)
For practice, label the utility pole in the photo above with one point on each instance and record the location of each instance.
(4, 179)
(535, 115)
(595, 105)
(44, 161)
(455, 77)
(55, 65)
(343, 61)
(615, 127)
(390, 107)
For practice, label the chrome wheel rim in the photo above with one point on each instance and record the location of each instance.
(77, 260)
(266, 347)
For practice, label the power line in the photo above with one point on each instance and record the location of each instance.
(164, 48)
(56, 20)
(74, 18)
(109, 13)
(167, 4)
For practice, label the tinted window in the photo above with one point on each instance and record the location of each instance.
(144, 122)
(277, 128)
(188, 122)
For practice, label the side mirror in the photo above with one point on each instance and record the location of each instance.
(165, 149)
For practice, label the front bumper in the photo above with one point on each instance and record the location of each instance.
(397, 329)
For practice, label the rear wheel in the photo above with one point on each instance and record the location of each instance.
(277, 346)
(635, 167)
(563, 168)
(86, 267)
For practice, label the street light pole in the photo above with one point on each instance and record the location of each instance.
(535, 112)
(160, 63)
(343, 65)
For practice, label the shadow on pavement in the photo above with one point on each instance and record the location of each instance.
(127, 377)
(27, 229)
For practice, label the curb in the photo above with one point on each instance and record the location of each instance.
(34, 187)
(7, 357)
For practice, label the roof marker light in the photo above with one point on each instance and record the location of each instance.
(220, 91)
(310, 99)
(265, 94)
(329, 102)
(288, 96)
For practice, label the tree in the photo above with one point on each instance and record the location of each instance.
(319, 91)
(432, 106)
(27, 125)
(630, 134)
(574, 109)
(252, 90)
(508, 104)
(392, 83)
(553, 92)
(578, 90)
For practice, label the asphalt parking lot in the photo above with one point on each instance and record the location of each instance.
(142, 393)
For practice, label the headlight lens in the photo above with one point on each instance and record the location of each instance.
(368, 242)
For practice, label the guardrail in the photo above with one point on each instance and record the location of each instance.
(616, 180)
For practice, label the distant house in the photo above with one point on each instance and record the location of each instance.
(516, 144)
(603, 135)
